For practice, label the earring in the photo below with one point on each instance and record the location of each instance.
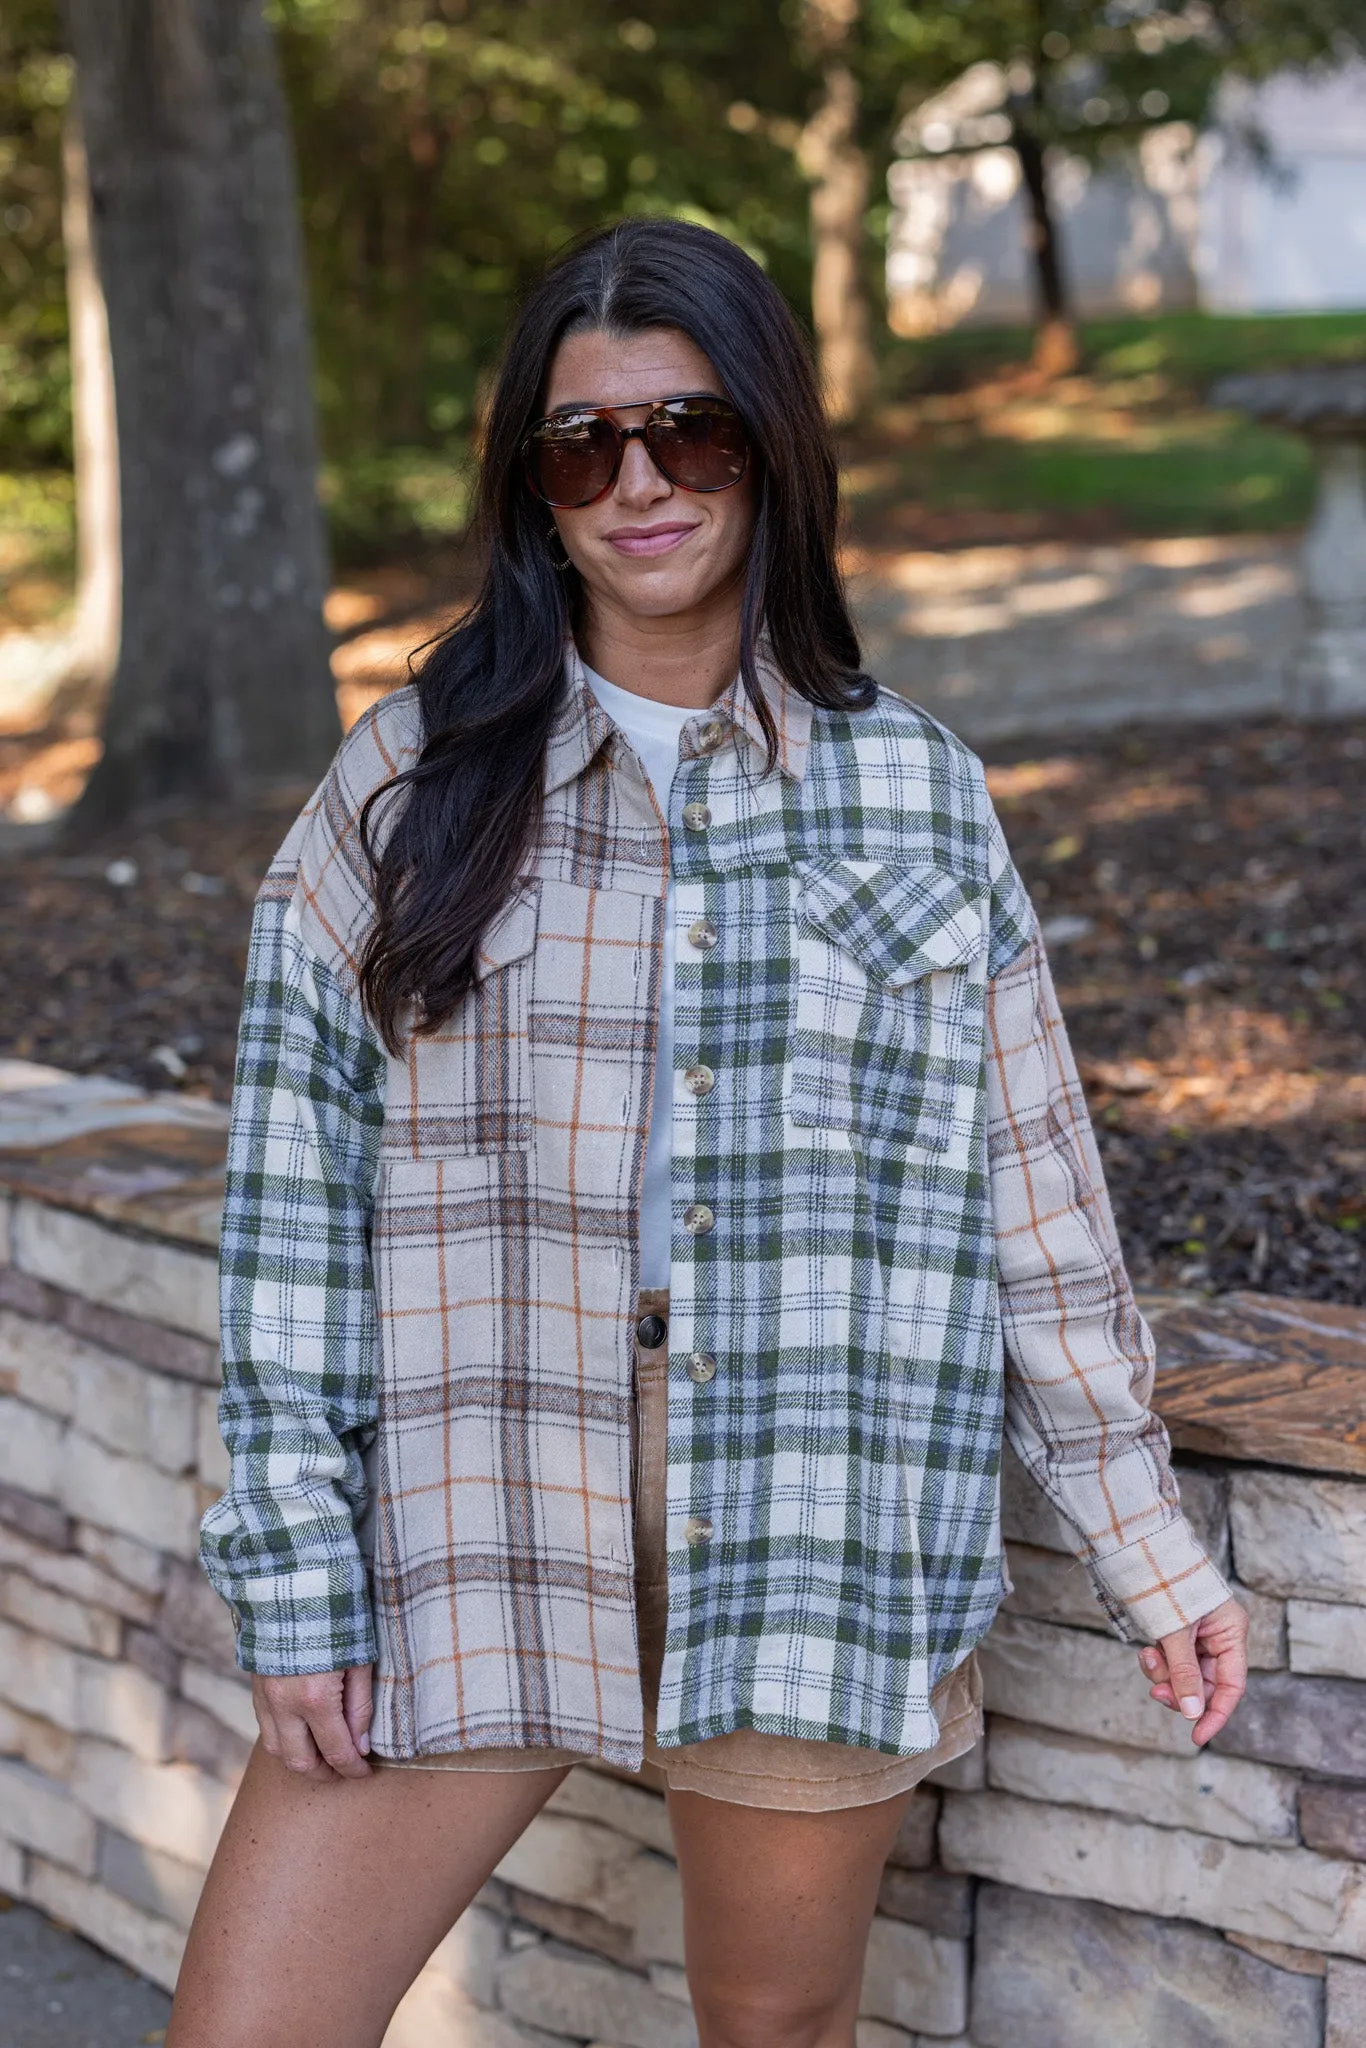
(553, 536)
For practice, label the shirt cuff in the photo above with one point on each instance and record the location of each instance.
(290, 1626)
(1162, 1583)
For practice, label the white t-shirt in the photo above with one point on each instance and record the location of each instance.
(654, 730)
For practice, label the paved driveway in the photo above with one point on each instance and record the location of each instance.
(1065, 637)
(56, 1991)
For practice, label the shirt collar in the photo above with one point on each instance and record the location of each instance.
(791, 715)
(581, 728)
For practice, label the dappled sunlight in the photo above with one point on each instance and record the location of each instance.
(36, 784)
(360, 597)
(1052, 578)
(345, 611)
(1246, 586)
(1047, 636)
(367, 667)
(1227, 1067)
(1154, 799)
(1031, 778)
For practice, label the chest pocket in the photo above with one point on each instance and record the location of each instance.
(467, 1087)
(889, 1000)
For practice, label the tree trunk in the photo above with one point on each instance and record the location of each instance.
(95, 634)
(830, 155)
(222, 687)
(1055, 343)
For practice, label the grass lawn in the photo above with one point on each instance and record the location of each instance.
(1126, 445)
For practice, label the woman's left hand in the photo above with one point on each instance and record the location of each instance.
(1201, 1671)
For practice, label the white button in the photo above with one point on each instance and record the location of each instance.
(697, 1530)
(701, 1367)
(698, 1219)
(699, 1080)
(703, 935)
(711, 736)
(696, 817)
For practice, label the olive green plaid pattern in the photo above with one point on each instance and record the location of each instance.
(891, 1236)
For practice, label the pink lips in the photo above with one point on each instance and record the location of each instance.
(649, 540)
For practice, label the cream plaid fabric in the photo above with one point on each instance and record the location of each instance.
(429, 1263)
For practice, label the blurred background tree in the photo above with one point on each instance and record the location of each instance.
(1089, 80)
(221, 685)
(831, 152)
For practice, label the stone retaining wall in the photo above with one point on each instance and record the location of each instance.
(1053, 1890)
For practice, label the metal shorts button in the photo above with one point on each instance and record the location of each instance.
(651, 1332)
(703, 935)
(701, 1367)
(697, 1530)
(698, 1219)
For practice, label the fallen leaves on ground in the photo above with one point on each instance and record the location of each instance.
(1209, 886)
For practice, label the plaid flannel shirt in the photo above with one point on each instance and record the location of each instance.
(891, 1236)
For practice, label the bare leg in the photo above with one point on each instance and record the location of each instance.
(325, 1900)
(776, 1911)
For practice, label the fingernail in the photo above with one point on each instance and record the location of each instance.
(1147, 1659)
(363, 1745)
(1192, 1707)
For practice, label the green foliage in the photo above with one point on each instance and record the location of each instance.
(1093, 78)
(447, 147)
(35, 80)
(376, 498)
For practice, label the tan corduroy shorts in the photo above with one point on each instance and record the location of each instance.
(746, 1768)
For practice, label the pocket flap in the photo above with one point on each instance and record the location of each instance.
(898, 923)
(510, 933)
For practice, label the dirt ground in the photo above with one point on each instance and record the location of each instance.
(1204, 902)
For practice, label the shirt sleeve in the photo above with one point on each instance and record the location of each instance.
(1079, 1357)
(298, 1316)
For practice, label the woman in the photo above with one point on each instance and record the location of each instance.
(652, 1110)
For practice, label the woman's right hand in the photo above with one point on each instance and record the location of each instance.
(318, 1726)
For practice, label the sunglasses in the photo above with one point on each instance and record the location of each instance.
(573, 458)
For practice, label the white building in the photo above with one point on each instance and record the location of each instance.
(1185, 221)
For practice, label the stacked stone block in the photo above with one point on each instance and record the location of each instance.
(1083, 1876)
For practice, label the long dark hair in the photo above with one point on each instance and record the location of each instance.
(488, 690)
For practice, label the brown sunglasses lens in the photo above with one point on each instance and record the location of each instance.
(570, 462)
(698, 444)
